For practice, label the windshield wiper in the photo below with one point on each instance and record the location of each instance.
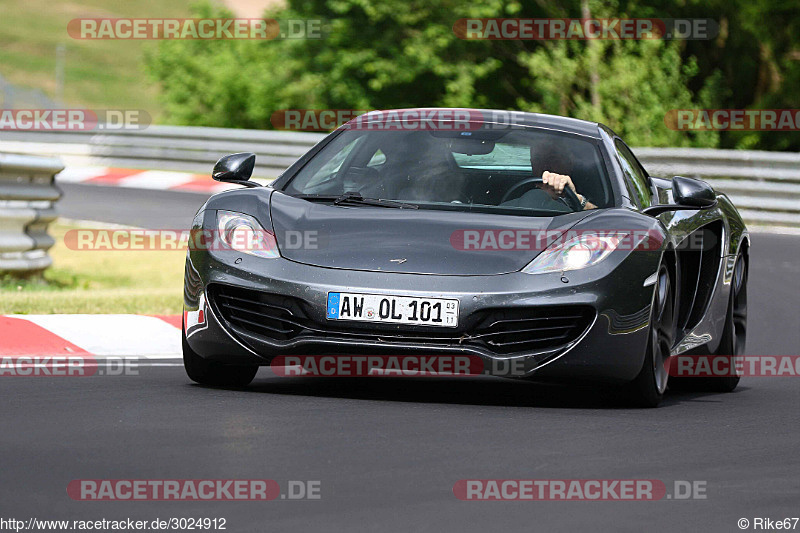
(354, 197)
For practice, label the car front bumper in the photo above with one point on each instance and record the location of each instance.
(610, 348)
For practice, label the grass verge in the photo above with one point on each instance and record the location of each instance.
(142, 282)
(100, 74)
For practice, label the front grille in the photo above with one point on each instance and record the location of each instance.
(501, 331)
(260, 313)
(533, 328)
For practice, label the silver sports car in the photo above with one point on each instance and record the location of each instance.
(539, 241)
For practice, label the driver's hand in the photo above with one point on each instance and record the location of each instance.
(553, 184)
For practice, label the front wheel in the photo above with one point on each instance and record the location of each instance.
(214, 373)
(734, 335)
(647, 390)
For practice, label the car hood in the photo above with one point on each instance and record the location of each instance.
(412, 241)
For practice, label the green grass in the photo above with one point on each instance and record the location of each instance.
(99, 74)
(143, 282)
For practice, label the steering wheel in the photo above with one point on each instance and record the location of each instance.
(568, 198)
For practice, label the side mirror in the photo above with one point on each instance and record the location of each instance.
(689, 193)
(692, 192)
(236, 168)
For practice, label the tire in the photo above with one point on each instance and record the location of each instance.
(215, 374)
(647, 389)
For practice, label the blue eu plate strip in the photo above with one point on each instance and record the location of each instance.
(333, 305)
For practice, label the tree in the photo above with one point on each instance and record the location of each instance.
(381, 55)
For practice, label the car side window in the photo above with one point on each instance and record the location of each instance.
(636, 176)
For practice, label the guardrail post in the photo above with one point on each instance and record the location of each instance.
(27, 206)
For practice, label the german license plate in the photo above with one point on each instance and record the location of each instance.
(392, 309)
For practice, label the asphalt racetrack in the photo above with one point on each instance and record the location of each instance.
(388, 451)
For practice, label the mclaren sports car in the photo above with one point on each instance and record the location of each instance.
(537, 245)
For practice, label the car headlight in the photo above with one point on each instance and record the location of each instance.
(244, 234)
(575, 253)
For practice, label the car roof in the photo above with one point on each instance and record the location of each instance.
(516, 118)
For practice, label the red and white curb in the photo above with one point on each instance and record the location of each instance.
(143, 179)
(129, 336)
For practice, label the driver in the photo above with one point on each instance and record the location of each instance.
(554, 165)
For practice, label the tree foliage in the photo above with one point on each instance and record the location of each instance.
(382, 55)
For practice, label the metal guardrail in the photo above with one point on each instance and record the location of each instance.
(165, 147)
(27, 206)
(765, 186)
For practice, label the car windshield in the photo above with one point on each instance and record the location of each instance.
(484, 171)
